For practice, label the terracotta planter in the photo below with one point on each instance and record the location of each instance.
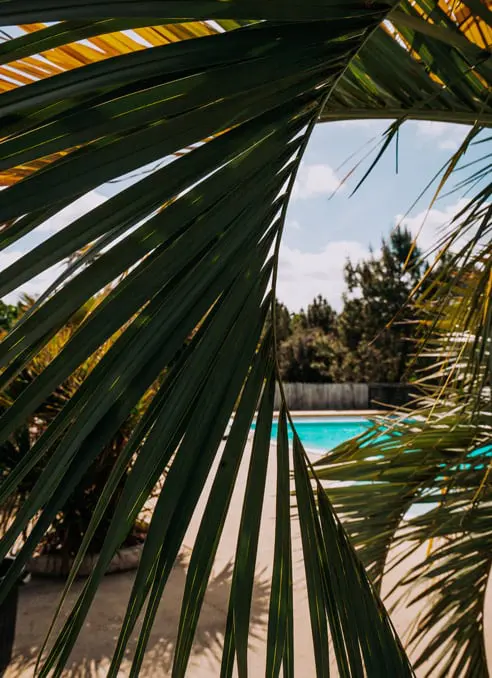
(54, 565)
(8, 617)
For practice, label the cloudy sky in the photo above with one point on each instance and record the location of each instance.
(325, 225)
(323, 229)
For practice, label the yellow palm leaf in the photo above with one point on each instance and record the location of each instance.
(77, 54)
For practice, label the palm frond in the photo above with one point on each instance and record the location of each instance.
(413, 69)
(424, 475)
(45, 51)
(228, 107)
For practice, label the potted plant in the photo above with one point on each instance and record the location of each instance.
(8, 615)
(62, 540)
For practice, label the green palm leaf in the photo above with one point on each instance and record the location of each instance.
(435, 462)
(230, 107)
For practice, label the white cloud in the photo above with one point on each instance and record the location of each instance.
(376, 126)
(294, 225)
(430, 226)
(448, 136)
(79, 207)
(315, 180)
(304, 275)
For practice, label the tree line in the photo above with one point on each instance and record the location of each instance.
(371, 339)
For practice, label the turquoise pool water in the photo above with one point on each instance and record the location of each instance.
(323, 434)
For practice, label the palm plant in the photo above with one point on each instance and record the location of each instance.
(425, 479)
(69, 526)
(227, 93)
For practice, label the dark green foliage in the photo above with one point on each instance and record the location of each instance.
(8, 315)
(376, 326)
(300, 359)
(372, 339)
(305, 352)
(320, 315)
(231, 108)
(283, 322)
(65, 532)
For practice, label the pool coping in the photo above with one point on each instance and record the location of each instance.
(334, 413)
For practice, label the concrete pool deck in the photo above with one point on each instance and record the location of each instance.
(93, 650)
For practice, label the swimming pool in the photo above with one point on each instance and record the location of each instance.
(320, 434)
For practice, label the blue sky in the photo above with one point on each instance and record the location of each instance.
(323, 230)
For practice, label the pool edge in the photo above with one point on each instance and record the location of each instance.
(335, 413)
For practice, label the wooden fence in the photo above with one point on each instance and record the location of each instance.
(302, 396)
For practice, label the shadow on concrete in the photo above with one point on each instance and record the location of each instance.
(92, 654)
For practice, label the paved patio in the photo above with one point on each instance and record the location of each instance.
(93, 651)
